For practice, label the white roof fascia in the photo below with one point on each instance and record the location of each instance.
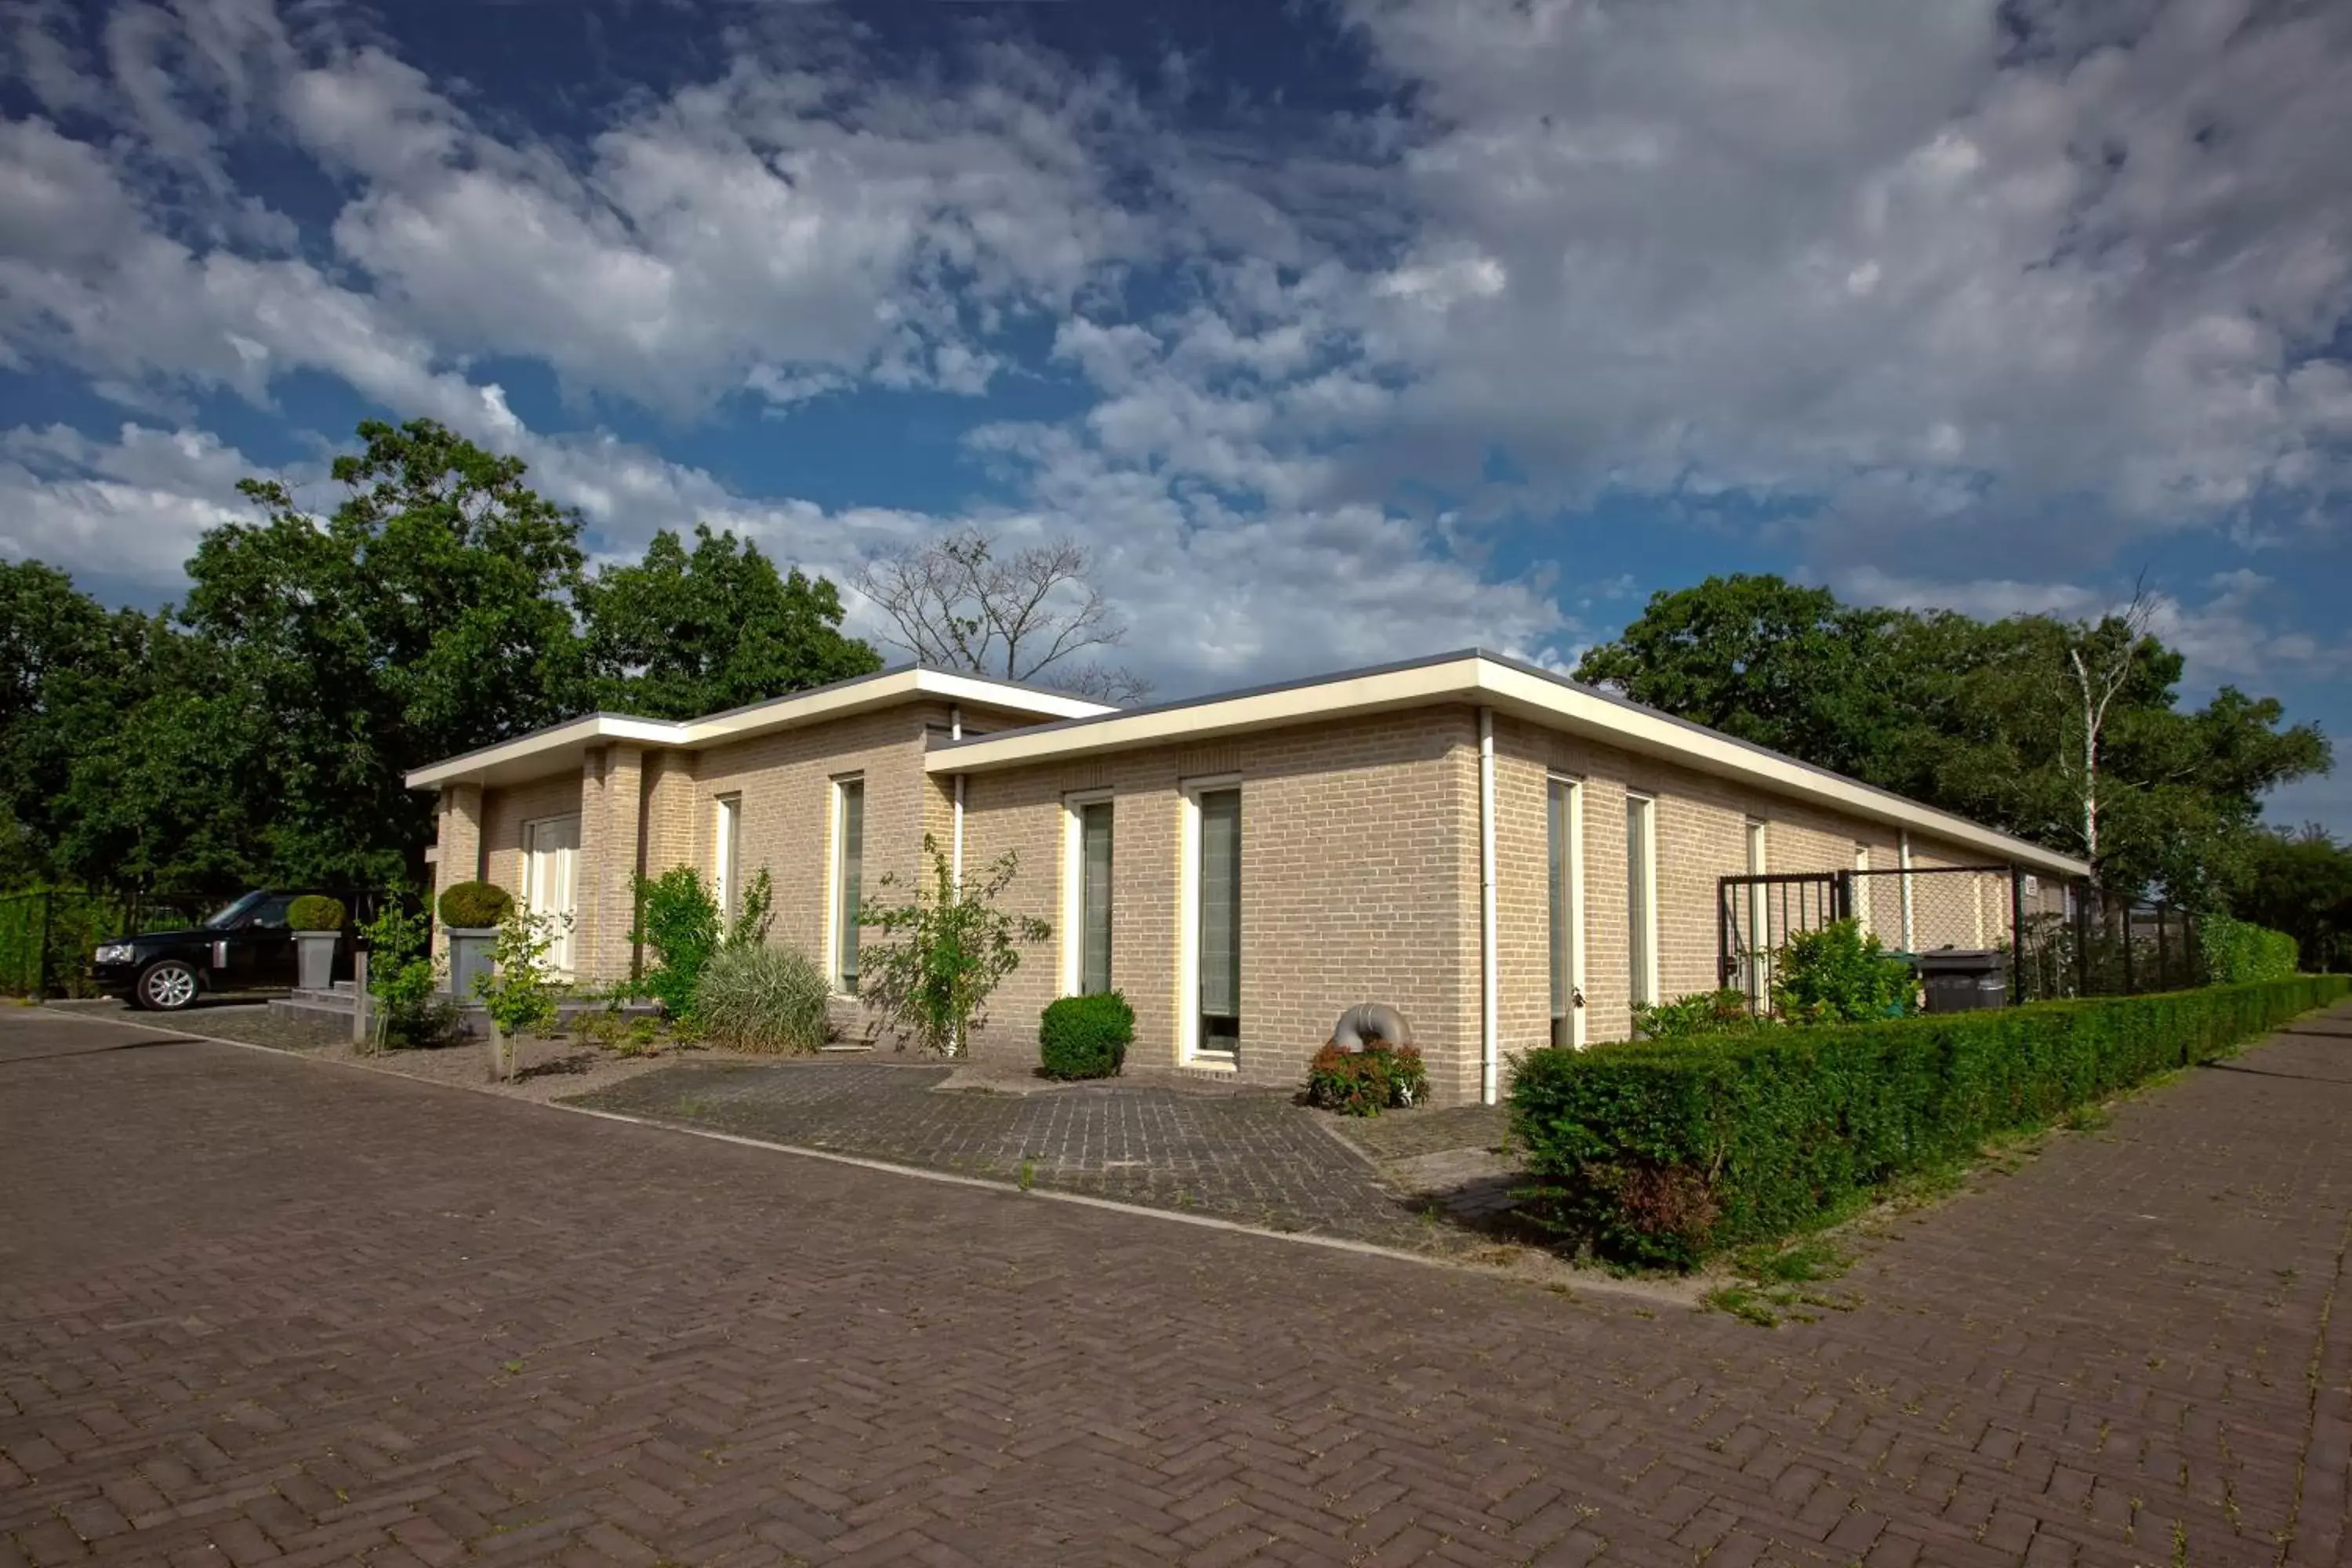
(800, 708)
(1474, 678)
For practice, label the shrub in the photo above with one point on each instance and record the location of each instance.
(1085, 1036)
(2239, 951)
(315, 911)
(521, 990)
(944, 952)
(1366, 1082)
(761, 999)
(475, 906)
(1660, 1154)
(403, 981)
(1839, 974)
(1667, 1152)
(680, 921)
(1698, 1014)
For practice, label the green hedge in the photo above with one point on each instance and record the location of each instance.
(1662, 1153)
(2239, 951)
(1085, 1037)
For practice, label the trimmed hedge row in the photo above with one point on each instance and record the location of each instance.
(1660, 1152)
(2237, 950)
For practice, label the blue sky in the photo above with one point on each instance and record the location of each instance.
(1339, 329)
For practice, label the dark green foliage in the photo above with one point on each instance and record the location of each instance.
(475, 906)
(680, 922)
(1700, 1013)
(260, 734)
(316, 912)
(1365, 1083)
(2301, 882)
(2238, 951)
(428, 615)
(1661, 1153)
(1085, 1036)
(1839, 975)
(1975, 717)
(680, 635)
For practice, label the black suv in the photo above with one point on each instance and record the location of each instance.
(247, 946)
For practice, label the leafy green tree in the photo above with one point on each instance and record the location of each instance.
(1986, 719)
(2301, 883)
(429, 613)
(1758, 657)
(682, 634)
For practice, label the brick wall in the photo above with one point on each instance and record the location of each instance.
(459, 848)
(786, 780)
(1359, 883)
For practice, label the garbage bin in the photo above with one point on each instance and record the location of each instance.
(1962, 979)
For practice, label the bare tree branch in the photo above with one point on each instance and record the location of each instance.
(2102, 656)
(960, 602)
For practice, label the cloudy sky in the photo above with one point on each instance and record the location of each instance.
(1344, 330)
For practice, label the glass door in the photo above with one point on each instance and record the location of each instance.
(551, 870)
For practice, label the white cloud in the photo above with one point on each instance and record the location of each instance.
(129, 510)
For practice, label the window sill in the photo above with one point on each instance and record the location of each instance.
(1206, 1061)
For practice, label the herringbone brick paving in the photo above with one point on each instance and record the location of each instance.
(254, 1309)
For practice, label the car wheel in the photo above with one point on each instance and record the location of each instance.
(167, 987)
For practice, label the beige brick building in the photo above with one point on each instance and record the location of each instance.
(1506, 858)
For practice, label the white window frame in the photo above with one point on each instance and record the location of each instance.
(837, 800)
(726, 831)
(1073, 880)
(1188, 923)
(1646, 992)
(560, 952)
(1759, 913)
(1578, 930)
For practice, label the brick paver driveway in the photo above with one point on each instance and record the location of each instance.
(259, 1310)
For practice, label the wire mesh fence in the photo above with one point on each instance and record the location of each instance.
(2054, 937)
(47, 935)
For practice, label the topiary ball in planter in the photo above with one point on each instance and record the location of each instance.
(315, 911)
(474, 905)
(1085, 1037)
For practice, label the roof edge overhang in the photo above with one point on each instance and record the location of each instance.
(551, 750)
(1509, 685)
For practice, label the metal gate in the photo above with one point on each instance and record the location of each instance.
(2062, 939)
(1757, 914)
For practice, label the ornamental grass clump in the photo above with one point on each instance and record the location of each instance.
(758, 998)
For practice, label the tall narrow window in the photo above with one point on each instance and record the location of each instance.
(1566, 875)
(1219, 938)
(1641, 899)
(848, 885)
(726, 853)
(1093, 897)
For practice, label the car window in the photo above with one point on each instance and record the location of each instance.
(269, 913)
(234, 914)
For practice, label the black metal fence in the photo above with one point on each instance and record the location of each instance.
(2059, 938)
(47, 935)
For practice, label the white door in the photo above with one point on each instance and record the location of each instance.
(552, 863)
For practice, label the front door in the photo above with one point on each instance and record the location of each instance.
(550, 865)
